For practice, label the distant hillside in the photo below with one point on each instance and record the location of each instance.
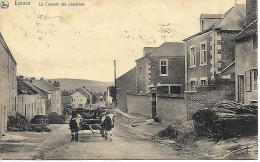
(72, 84)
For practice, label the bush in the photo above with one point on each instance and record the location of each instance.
(54, 118)
(41, 128)
(18, 122)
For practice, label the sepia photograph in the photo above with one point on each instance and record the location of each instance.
(128, 80)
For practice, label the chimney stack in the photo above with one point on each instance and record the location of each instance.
(32, 78)
(84, 87)
(21, 77)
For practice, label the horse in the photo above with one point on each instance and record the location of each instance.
(107, 124)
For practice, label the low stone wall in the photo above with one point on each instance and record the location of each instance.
(171, 109)
(139, 104)
(207, 96)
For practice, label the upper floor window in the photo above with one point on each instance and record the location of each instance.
(203, 54)
(255, 71)
(140, 71)
(193, 56)
(164, 67)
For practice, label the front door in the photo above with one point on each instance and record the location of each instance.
(241, 89)
(153, 105)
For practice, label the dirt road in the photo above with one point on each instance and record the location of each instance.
(124, 146)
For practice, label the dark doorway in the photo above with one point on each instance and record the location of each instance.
(153, 105)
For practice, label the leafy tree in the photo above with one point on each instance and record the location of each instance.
(65, 93)
(56, 84)
(112, 91)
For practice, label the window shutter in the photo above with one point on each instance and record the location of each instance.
(248, 81)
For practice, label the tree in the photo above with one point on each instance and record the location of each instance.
(49, 81)
(65, 93)
(56, 84)
(112, 91)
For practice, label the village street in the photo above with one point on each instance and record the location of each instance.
(57, 145)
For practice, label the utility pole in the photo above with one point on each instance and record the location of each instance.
(115, 82)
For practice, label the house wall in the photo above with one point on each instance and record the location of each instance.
(142, 79)
(28, 105)
(220, 54)
(246, 59)
(8, 88)
(56, 102)
(139, 104)
(171, 109)
(176, 71)
(77, 99)
(126, 83)
(206, 96)
(196, 73)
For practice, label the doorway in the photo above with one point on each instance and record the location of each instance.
(241, 89)
(153, 105)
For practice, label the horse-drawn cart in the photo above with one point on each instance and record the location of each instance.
(90, 119)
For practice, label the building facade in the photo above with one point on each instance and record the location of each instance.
(246, 57)
(8, 84)
(163, 68)
(53, 95)
(210, 54)
(82, 98)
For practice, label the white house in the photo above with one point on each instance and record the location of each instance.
(82, 98)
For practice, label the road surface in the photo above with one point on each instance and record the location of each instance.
(124, 146)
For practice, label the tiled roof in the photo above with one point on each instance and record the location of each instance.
(2, 41)
(169, 49)
(233, 19)
(248, 31)
(44, 85)
(23, 88)
(39, 91)
(125, 76)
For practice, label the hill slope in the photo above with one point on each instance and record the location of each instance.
(72, 84)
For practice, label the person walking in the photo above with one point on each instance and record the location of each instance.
(74, 127)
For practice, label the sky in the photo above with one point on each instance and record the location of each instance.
(81, 42)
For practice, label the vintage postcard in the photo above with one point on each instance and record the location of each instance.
(128, 79)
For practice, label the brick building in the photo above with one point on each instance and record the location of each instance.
(8, 84)
(163, 68)
(246, 57)
(125, 84)
(210, 54)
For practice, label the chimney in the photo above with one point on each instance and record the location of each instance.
(84, 87)
(32, 78)
(21, 77)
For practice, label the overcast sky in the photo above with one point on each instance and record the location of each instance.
(82, 42)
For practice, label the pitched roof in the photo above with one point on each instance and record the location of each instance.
(149, 50)
(23, 88)
(233, 19)
(39, 91)
(248, 31)
(128, 75)
(211, 16)
(2, 41)
(84, 92)
(169, 49)
(44, 85)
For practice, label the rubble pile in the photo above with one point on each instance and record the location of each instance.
(225, 120)
(169, 132)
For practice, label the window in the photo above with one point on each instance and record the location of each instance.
(255, 79)
(203, 54)
(175, 89)
(88, 101)
(163, 67)
(192, 57)
(140, 71)
(248, 81)
(203, 82)
(165, 89)
(192, 85)
(25, 110)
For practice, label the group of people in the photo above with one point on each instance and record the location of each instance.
(106, 120)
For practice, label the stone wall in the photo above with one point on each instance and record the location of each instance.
(171, 109)
(206, 96)
(139, 104)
